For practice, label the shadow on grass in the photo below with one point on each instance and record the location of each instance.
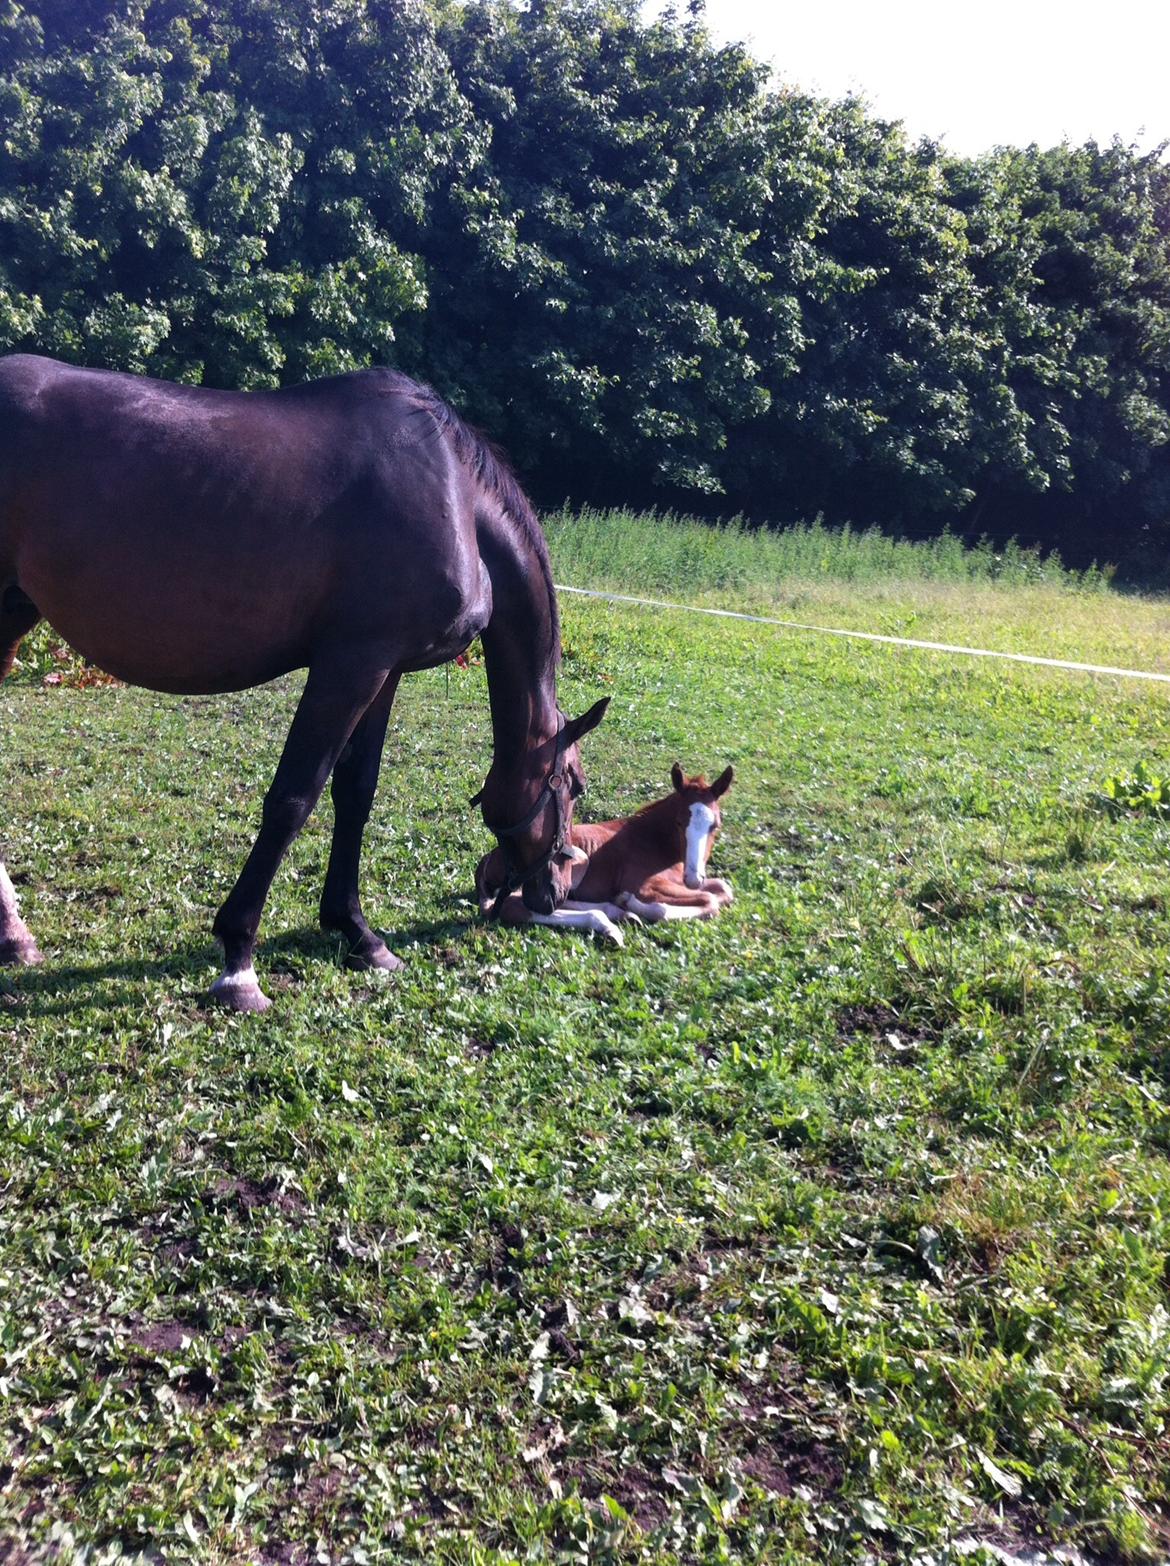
(56, 989)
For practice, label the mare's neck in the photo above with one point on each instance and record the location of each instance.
(521, 642)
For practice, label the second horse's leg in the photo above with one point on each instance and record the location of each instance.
(355, 777)
(17, 617)
(336, 694)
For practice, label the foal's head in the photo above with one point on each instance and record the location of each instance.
(699, 818)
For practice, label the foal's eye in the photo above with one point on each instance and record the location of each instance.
(576, 785)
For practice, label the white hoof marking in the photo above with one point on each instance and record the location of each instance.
(240, 991)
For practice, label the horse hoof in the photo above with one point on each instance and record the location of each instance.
(239, 992)
(19, 953)
(378, 959)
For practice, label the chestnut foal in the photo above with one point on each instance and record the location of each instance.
(651, 866)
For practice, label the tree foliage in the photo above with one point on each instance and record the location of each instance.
(648, 272)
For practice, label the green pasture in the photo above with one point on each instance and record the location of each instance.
(837, 1229)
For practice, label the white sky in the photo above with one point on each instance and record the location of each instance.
(972, 74)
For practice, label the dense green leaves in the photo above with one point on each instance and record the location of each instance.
(649, 273)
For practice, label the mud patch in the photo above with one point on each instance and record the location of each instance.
(247, 1196)
(637, 1491)
(897, 1038)
(783, 1442)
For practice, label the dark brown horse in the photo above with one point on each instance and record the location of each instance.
(204, 541)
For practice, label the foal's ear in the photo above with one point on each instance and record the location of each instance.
(577, 728)
(678, 777)
(723, 782)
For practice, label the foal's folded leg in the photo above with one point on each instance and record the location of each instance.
(616, 912)
(668, 898)
(642, 909)
(589, 918)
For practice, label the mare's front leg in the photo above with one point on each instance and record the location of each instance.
(17, 617)
(355, 777)
(337, 692)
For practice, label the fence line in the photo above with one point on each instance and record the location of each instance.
(869, 636)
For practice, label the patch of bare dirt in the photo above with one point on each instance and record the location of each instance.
(162, 1337)
(897, 1037)
(248, 1195)
(282, 1553)
(636, 1490)
(1023, 1530)
(782, 1441)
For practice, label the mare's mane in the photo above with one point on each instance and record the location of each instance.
(493, 473)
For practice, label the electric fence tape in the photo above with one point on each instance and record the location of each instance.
(868, 636)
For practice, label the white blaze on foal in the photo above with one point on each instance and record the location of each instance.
(699, 830)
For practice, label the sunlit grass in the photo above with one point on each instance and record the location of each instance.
(834, 1230)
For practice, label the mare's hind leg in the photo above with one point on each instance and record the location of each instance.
(16, 944)
(336, 694)
(17, 617)
(355, 777)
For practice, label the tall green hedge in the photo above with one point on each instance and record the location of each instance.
(615, 245)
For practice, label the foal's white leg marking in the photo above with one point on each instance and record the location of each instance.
(698, 844)
(618, 912)
(719, 888)
(687, 910)
(651, 912)
(16, 944)
(586, 918)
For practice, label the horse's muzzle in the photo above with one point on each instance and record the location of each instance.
(545, 892)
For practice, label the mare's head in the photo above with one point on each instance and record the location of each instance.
(699, 818)
(536, 851)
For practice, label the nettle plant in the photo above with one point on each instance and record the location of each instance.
(1142, 789)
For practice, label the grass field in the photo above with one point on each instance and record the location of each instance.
(1011, 599)
(837, 1229)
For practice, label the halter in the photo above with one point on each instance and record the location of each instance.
(517, 876)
